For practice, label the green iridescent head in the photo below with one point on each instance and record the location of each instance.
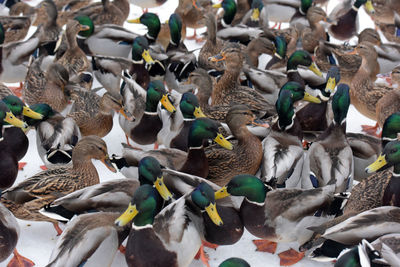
(85, 20)
(149, 170)
(280, 46)
(152, 21)
(285, 110)
(175, 28)
(299, 57)
(206, 129)
(139, 46)
(229, 7)
(155, 92)
(332, 79)
(203, 198)
(7, 117)
(234, 262)
(305, 5)
(18, 107)
(298, 93)
(244, 185)
(45, 110)
(341, 103)
(189, 105)
(391, 128)
(144, 206)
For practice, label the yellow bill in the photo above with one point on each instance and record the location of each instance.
(255, 15)
(313, 67)
(26, 111)
(134, 20)
(310, 98)
(162, 189)
(213, 214)
(330, 85)
(219, 5)
(369, 7)
(198, 113)
(11, 119)
(106, 161)
(223, 142)
(378, 164)
(127, 216)
(222, 193)
(146, 56)
(167, 104)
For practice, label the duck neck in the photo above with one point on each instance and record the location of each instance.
(71, 39)
(227, 83)
(83, 167)
(241, 133)
(396, 170)
(363, 73)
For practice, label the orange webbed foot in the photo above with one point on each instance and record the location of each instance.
(290, 257)
(371, 130)
(57, 228)
(20, 261)
(202, 255)
(265, 245)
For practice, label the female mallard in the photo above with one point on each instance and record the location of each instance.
(316, 32)
(181, 221)
(56, 136)
(228, 91)
(74, 59)
(195, 160)
(9, 232)
(246, 155)
(94, 114)
(28, 197)
(143, 105)
(346, 25)
(280, 215)
(330, 156)
(46, 86)
(89, 239)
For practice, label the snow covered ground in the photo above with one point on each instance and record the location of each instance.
(37, 239)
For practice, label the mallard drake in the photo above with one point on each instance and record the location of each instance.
(143, 105)
(282, 148)
(190, 109)
(346, 25)
(56, 136)
(246, 155)
(330, 156)
(280, 215)
(229, 9)
(28, 197)
(185, 235)
(12, 150)
(46, 86)
(257, 16)
(74, 59)
(364, 94)
(94, 114)
(237, 262)
(9, 230)
(16, 28)
(180, 61)
(90, 239)
(227, 91)
(194, 161)
(282, 11)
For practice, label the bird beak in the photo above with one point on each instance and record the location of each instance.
(198, 113)
(213, 214)
(127, 216)
(11, 119)
(310, 98)
(223, 142)
(222, 193)
(162, 189)
(167, 104)
(313, 67)
(378, 164)
(106, 161)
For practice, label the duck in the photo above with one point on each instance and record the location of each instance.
(331, 148)
(246, 155)
(89, 250)
(194, 161)
(234, 262)
(187, 234)
(9, 238)
(282, 149)
(143, 105)
(180, 61)
(94, 114)
(346, 19)
(190, 109)
(229, 12)
(283, 11)
(365, 94)
(74, 59)
(12, 150)
(145, 5)
(48, 86)
(15, 27)
(56, 135)
(26, 198)
(50, 29)
(279, 215)
(311, 36)
(227, 91)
